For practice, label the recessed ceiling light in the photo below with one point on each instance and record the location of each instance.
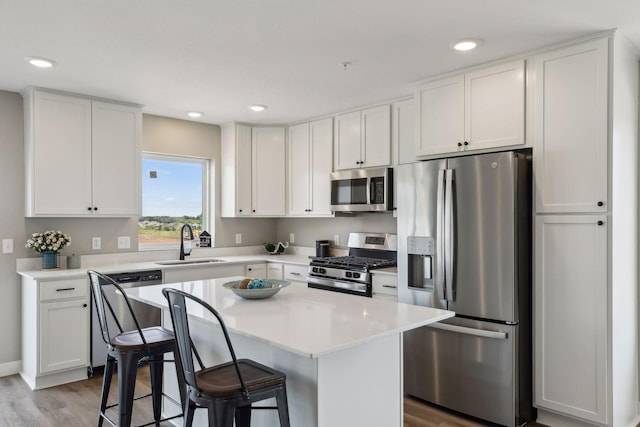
(40, 62)
(194, 114)
(466, 44)
(257, 107)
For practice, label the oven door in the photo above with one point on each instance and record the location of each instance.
(353, 288)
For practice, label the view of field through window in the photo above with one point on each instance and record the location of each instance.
(172, 195)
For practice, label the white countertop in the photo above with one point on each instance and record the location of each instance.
(308, 322)
(149, 265)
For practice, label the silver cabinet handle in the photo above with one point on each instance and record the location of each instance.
(470, 331)
(294, 274)
(390, 286)
(65, 289)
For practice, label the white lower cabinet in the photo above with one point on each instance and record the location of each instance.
(296, 273)
(385, 287)
(275, 271)
(256, 271)
(570, 301)
(63, 328)
(55, 331)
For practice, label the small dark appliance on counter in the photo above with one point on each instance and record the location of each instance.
(322, 248)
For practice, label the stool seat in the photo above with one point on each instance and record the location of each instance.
(155, 336)
(222, 380)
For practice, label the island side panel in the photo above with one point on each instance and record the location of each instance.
(301, 374)
(362, 385)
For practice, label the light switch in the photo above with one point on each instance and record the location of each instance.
(7, 246)
(292, 238)
(96, 243)
(336, 239)
(238, 238)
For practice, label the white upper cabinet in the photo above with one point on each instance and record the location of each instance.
(482, 109)
(403, 131)
(253, 171)
(310, 165)
(82, 156)
(269, 169)
(570, 130)
(363, 139)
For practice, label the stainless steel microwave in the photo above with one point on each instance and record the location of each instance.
(362, 190)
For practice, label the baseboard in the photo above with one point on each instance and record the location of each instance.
(556, 420)
(10, 368)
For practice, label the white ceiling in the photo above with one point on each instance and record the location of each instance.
(215, 56)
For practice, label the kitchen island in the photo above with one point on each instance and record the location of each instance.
(342, 354)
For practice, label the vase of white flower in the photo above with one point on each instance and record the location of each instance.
(49, 244)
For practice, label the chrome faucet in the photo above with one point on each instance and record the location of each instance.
(182, 252)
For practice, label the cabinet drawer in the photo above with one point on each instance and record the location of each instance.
(385, 285)
(296, 273)
(63, 289)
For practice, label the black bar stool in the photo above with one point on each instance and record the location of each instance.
(229, 389)
(127, 349)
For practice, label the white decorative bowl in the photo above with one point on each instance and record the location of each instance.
(274, 286)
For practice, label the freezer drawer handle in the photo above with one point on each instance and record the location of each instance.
(470, 331)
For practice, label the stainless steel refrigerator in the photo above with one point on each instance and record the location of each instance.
(464, 232)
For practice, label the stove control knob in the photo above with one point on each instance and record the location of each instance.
(314, 269)
(322, 271)
(348, 274)
(356, 275)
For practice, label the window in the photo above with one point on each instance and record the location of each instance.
(175, 191)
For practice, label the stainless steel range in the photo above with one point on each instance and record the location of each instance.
(352, 274)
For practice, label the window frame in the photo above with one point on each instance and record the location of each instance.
(206, 194)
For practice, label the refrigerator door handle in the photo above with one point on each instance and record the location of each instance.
(439, 277)
(449, 238)
(470, 331)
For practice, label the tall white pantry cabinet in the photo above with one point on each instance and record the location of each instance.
(585, 137)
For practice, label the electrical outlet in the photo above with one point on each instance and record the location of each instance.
(292, 238)
(124, 242)
(96, 243)
(238, 238)
(336, 239)
(7, 246)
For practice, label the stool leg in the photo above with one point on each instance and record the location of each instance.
(127, 371)
(182, 384)
(243, 416)
(283, 407)
(106, 386)
(156, 369)
(189, 410)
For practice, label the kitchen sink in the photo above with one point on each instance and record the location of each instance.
(189, 261)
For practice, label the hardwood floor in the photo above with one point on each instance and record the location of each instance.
(76, 405)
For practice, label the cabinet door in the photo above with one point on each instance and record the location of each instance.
(570, 142)
(268, 160)
(403, 122)
(64, 335)
(256, 271)
(571, 315)
(376, 137)
(296, 273)
(299, 169)
(321, 132)
(116, 159)
(440, 116)
(61, 148)
(494, 106)
(274, 271)
(243, 170)
(347, 141)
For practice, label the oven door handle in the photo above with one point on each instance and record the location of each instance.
(360, 287)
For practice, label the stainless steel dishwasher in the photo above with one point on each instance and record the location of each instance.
(147, 315)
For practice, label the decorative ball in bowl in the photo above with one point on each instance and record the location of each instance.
(256, 288)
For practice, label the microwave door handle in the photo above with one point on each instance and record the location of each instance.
(371, 190)
(439, 279)
(449, 236)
